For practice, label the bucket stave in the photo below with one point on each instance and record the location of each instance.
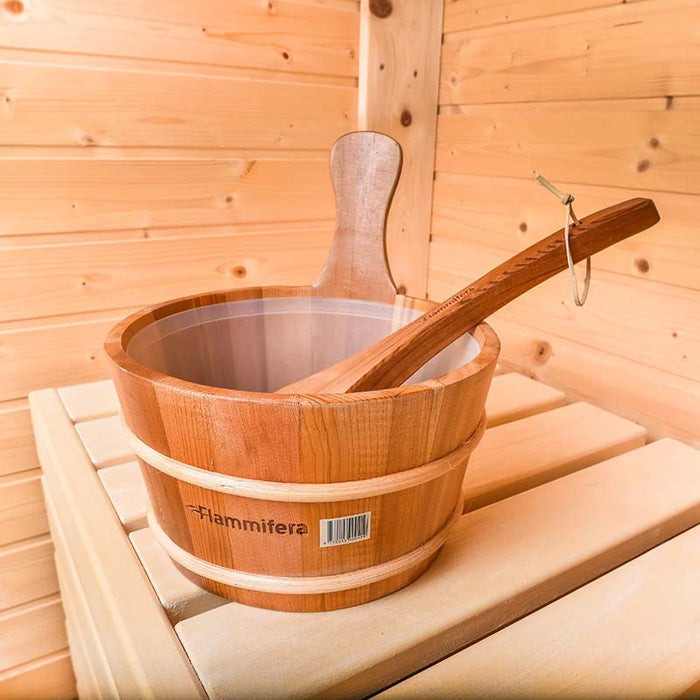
(243, 481)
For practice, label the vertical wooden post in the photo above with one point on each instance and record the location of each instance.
(400, 46)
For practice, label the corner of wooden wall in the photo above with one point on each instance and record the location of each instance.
(399, 71)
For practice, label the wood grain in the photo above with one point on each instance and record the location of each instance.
(651, 323)
(40, 281)
(103, 441)
(471, 14)
(82, 193)
(31, 630)
(598, 54)
(501, 562)
(395, 358)
(27, 571)
(664, 403)
(507, 213)
(179, 597)
(615, 143)
(397, 95)
(16, 438)
(63, 105)
(513, 396)
(49, 351)
(532, 657)
(22, 513)
(89, 401)
(125, 488)
(49, 676)
(291, 36)
(91, 526)
(525, 453)
(365, 168)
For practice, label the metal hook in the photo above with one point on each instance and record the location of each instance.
(567, 200)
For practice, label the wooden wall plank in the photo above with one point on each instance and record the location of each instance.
(74, 194)
(55, 351)
(74, 106)
(647, 322)
(510, 214)
(27, 571)
(618, 143)
(664, 403)
(593, 54)
(17, 449)
(30, 631)
(39, 281)
(398, 90)
(22, 512)
(470, 14)
(48, 677)
(311, 37)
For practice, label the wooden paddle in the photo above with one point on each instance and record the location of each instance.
(395, 358)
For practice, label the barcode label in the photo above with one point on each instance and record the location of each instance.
(351, 528)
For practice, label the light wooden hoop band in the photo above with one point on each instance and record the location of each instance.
(303, 585)
(305, 493)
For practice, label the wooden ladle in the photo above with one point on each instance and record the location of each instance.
(392, 360)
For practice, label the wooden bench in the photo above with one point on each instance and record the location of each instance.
(558, 494)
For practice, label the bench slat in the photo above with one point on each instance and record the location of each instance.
(513, 396)
(516, 456)
(632, 633)
(89, 401)
(125, 487)
(178, 595)
(500, 563)
(103, 441)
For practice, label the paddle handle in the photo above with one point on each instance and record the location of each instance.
(365, 167)
(395, 358)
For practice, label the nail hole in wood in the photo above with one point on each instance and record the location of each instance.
(239, 271)
(642, 264)
(643, 165)
(14, 7)
(523, 226)
(543, 351)
(380, 8)
(406, 118)
(654, 142)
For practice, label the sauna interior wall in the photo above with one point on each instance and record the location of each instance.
(148, 149)
(603, 98)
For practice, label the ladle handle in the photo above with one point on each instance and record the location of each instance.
(365, 167)
(395, 358)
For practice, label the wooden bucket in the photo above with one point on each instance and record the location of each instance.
(297, 502)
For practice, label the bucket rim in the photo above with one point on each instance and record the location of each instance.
(118, 338)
